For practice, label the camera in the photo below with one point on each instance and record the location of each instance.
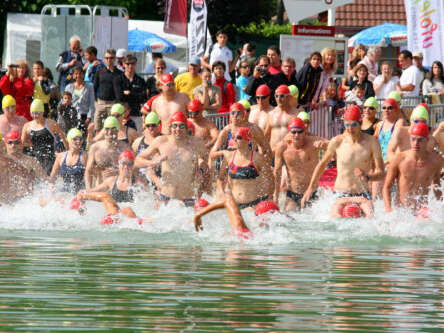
(261, 70)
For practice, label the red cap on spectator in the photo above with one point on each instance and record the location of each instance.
(166, 78)
(351, 210)
(282, 90)
(262, 90)
(178, 117)
(13, 135)
(126, 154)
(264, 207)
(296, 122)
(244, 132)
(353, 113)
(195, 106)
(420, 129)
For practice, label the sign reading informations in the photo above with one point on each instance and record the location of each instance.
(313, 30)
(425, 28)
(198, 28)
(300, 9)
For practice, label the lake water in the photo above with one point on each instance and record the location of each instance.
(62, 272)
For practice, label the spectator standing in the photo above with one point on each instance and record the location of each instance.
(67, 61)
(152, 83)
(361, 74)
(385, 83)
(82, 100)
(67, 115)
(242, 79)
(248, 52)
(120, 55)
(409, 83)
(260, 76)
(169, 67)
(134, 91)
(186, 82)
(219, 52)
(107, 89)
(328, 65)
(226, 87)
(357, 55)
(208, 94)
(286, 76)
(418, 57)
(93, 65)
(371, 61)
(19, 85)
(308, 78)
(434, 83)
(274, 55)
(42, 89)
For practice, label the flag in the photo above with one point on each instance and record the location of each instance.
(175, 17)
(425, 31)
(198, 28)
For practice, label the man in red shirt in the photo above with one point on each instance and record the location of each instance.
(227, 88)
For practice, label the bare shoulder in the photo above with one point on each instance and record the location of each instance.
(281, 147)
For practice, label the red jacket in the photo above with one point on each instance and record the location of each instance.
(22, 90)
(228, 95)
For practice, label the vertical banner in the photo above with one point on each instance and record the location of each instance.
(425, 20)
(198, 28)
(175, 17)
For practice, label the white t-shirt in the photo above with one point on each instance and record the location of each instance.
(411, 75)
(386, 88)
(223, 54)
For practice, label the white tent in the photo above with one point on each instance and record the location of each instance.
(22, 38)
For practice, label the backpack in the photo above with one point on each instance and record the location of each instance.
(236, 90)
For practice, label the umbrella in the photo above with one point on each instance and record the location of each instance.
(380, 35)
(139, 41)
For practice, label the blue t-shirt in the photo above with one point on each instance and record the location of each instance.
(92, 70)
(242, 82)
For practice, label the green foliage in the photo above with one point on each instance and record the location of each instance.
(264, 29)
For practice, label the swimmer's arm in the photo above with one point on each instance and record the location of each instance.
(26, 140)
(267, 131)
(278, 163)
(55, 169)
(143, 159)
(221, 177)
(436, 185)
(377, 129)
(89, 167)
(223, 135)
(105, 186)
(378, 173)
(135, 144)
(204, 211)
(392, 174)
(56, 129)
(262, 142)
(99, 136)
(151, 174)
(214, 133)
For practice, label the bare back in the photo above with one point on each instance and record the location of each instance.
(259, 117)
(278, 120)
(165, 108)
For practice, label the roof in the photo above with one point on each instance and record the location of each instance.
(368, 13)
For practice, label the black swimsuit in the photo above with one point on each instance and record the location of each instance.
(371, 129)
(43, 147)
(246, 172)
(122, 196)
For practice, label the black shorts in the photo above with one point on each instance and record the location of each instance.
(296, 197)
(365, 195)
(252, 203)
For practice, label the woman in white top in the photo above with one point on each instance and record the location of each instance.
(385, 83)
(329, 65)
(434, 83)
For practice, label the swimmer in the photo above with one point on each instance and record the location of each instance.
(179, 158)
(103, 155)
(16, 181)
(417, 170)
(294, 96)
(352, 207)
(369, 121)
(169, 102)
(439, 137)
(14, 149)
(204, 128)
(259, 112)
(9, 120)
(250, 179)
(279, 117)
(298, 152)
(356, 154)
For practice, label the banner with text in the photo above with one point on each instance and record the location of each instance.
(198, 28)
(425, 28)
(175, 17)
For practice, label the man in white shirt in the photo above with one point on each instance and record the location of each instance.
(371, 61)
(385, 83)
(219, 52)
(410, 81)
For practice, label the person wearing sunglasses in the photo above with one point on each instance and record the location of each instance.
(9, 120)
(259, 112)
(180, 156)
(70, 165)
(278, 119)
(400, 138)
(14, 149)
(416, 170)
(204, 128)
(169, 102)
(439, 137)
(358, 159)
(369, 121)
(298, 152)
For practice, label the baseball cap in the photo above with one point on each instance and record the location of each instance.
(120, 53)
(418, 54)
(195, 61)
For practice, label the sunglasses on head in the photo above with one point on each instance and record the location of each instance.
(13, 142)
(261, 97)
(280, 96)
(129, 164)
(181, 126)
(353, 124)
(295, 131)
(416, 121)
(387, 107)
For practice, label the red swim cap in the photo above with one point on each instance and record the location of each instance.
(195, 106)
(126, 154)
(353, 113)
(109, 219)
(178, 117)
(351, 210)
(420, 129)
(392, 102)
(75, 204)
(191, 126)
(424, 105)
(264, 207)
(166, 78)
(201, 203)
(262, 90)
(237, 107)
(13, 135)
(282, 90)
(296, 122)
(244, 132)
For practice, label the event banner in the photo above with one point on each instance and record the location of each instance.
(425, 20)
(175, 17)
(198, 27)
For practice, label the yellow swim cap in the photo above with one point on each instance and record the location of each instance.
(152, 118)
(37, 106)
(372, 102)
(111, 122)
(73, 133)
(294, 91)
(396, 96)
(304, 116)
(420, 112)
(8, 100)
(246, 104)
(117, 108)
